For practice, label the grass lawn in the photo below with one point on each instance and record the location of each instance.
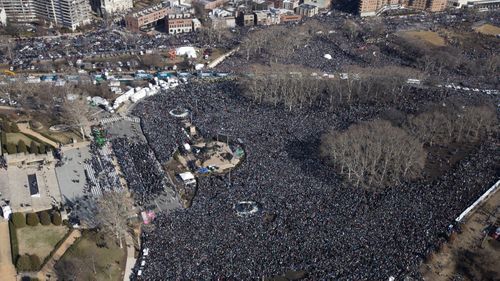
(426, 36)
(84, 260)
(39, 240)
(16, 137)
(488, 29)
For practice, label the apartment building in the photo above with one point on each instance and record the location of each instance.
(307, 10)
(19, 11)
(290, 4)
(243, 19)
(109, 7)
(210, 4)
(180, 23)
(146, 17)
(223, 22)
(321, 4)
(66, 13)
(373, 7)
(260, 5)
(3, 17)
(436, 5)
(266, 18)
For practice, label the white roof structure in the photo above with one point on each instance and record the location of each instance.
(6, 211)
(189, 51)
(186, 176)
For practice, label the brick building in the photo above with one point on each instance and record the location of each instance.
(373, 7)
(146, 17)
(284, 18)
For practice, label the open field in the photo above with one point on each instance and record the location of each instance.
(95, 263)
(39, 240)
(427, 36)
(488, 29)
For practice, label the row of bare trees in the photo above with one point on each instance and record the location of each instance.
(280, 42)
(459, 123)
(377, 154)
(374, 154)
(277, 85)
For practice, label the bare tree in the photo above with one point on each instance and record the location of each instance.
(374, 154)
(110, 213)
(76, 112)
(115, 209)
(453, 123)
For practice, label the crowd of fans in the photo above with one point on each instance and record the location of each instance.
(311, 220)
(100, 171)
(144, 175)
(99, 43)
(370, 43)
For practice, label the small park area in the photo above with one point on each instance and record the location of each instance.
(34, 237)
(92, 257)
(39, 240)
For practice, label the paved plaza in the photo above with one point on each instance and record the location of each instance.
(71, 175)
(126, 129)
(14, 187)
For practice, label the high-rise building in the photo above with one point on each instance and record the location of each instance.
(19, 11)
(109, 7)
(66, 13)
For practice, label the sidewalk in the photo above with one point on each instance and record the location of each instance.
(7, 269)
(48, 268)
(130, 257)
(26, 130)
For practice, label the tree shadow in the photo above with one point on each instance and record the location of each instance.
(473, 266)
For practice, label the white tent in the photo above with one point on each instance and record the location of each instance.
(188, 51)
(187, 178)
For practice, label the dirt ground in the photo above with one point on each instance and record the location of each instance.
(7, 270)
(488, 29)
(427, 36)
(471, 256)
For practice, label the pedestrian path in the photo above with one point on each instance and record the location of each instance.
(48, 268)
(7, 269)
(119, 118)
(24, 128)
(129, 265)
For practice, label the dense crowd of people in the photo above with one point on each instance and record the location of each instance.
(99, 43)
(310, 219)
(336, 43)
(144, 175)
(100, 171)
